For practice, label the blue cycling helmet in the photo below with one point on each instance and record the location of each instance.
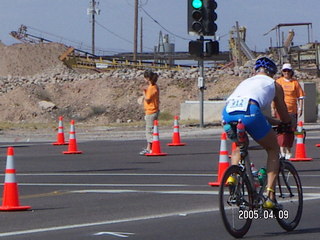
(266, 63)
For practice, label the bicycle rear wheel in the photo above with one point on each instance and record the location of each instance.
(235, 200)
(289, 196)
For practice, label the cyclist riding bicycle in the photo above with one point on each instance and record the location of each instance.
(247, 103)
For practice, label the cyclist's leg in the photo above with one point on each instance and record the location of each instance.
(235, 156)
(261, 131)
(269, 143)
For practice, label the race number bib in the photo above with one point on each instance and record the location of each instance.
(237, 104)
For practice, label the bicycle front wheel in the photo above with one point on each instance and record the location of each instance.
(235, 201)
(289, 196)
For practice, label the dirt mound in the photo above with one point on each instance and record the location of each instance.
(29, 59)
(35, 86)
(103, 100)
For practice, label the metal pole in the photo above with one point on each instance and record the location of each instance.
(201, 94)
(135, 37)
(141, 35)
(201, 85)
(93, 24)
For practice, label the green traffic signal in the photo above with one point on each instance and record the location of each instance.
(197, 4)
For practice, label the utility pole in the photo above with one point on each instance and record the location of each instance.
(93, 10)
(141, 35)
(135, 37)
(93, 25)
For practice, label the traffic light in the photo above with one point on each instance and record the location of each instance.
(202, 17)
(212, 48)
(195, 17)
(210, 26)
(196, 48)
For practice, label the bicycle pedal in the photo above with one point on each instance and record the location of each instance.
(232, 201)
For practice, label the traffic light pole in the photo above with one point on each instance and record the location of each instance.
(201, 22)
(196, 48)
(201, 86)
(201, 73)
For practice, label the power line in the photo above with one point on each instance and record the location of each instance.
(59, 38)
(115, 34)
(66, 41)
(183, 38)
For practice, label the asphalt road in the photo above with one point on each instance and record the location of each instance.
(110, 192)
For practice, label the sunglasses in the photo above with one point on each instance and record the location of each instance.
(286, 70)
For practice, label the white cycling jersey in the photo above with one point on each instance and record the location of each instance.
(259, 88)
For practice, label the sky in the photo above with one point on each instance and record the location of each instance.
(67, 21)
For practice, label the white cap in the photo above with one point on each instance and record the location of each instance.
(286, 66)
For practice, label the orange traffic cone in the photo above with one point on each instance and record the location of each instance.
(223, 160)
(60, 135)
(156, 149)
(72, 148)
(300, 154)
(176, 134)
(10, 193)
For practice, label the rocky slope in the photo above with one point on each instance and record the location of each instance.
(35, 86)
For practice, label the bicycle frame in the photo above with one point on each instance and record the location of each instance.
(245, 164)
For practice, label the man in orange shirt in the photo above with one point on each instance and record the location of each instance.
(151, 106)
(293, 97)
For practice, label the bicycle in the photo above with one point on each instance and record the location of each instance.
(242, 201)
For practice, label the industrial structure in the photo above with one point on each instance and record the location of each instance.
(163, 57)
(304, 57)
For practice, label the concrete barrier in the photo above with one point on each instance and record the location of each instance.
(310, 108)
(190, 110)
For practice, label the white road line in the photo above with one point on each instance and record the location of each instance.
(310, 187)
(117, 174)
(127, 185)
(139, 191)
(116, 234)
(66, 227)
(74, 226)
(307, 195)
(136, 174)
(310, 195)
(105, 185)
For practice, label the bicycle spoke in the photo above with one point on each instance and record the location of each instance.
(289, 198)
(234, 199)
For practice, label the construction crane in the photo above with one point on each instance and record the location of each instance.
(23, 36)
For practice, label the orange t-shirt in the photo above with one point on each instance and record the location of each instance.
(292, 92)
(152, 93)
